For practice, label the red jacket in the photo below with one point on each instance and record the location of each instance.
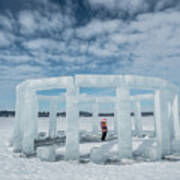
(104, 126)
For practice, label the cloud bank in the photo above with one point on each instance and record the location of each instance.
(96, 36)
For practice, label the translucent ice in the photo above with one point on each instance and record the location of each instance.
(138, 119)
(166, 112)
(72, 126)
(47, 153)
(52, 119)
(124, 123)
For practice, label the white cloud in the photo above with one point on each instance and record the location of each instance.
(20, 72)
(27, 22)
(153, 40)
(3, 40)
(6, 22)
(44, 44)
(83, 47)
(47, 22)
(97, 27)
(28, 69)
(162, 38)
(161, 4)
(50, 22)
(134, 6)
(6, 39)
(15, 58)
(106, 3)
(68, 34)
(101, 52)
(131, 6)
(148, 45)
(150, 22)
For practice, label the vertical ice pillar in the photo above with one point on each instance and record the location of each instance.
(124, 123)
(175, 111)
(30, 121)
(52, 118)
(138, 119)
(18, 125)
(170, 114)
(170, 117)
(158, 119)
(166, 122)
(72, 126)
(162, 122)
(95, 120)
(115, 121)
(154, 115)
(36, 115)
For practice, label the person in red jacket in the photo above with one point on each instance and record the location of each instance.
(104, 129)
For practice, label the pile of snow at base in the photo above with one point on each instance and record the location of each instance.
(108, 152)
(175, 146)
(103, 154)
(152, 153)
(14, 167)
(47, 153)
(148, 149)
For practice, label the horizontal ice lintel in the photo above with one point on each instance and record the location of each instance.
(128, 81)
(51, 83)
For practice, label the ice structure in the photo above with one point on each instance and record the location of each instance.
(47, 153)
(166, 112)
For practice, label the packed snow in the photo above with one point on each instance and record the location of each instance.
(14, 166)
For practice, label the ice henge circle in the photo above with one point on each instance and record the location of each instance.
(165, 109)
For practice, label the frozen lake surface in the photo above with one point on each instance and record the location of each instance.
(16, 167)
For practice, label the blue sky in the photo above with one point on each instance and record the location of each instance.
(45, 38)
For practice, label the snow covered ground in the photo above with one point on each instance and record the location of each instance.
(16, 167)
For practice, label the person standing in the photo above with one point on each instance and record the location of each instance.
(104, 129)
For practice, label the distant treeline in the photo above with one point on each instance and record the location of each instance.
(63, 114)
(7, 113)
